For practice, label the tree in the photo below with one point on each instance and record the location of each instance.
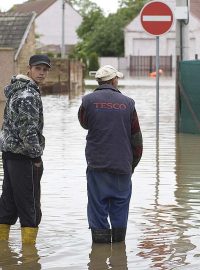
(84, 6)
(85, 33)
(137, 4)
(104, 35)
(131, 8)
(107, 39)
(90, 23)
(93, 62)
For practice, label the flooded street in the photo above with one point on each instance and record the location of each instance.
(163, 228)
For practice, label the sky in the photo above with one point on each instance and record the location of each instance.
(109, 6)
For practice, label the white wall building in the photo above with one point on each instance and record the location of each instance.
(48, 22)
(140, 43)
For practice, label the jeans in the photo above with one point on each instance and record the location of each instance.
(108, 196)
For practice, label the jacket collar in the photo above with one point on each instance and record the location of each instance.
(107, 87)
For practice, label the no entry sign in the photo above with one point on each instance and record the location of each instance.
(156, 18)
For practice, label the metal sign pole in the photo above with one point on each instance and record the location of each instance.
(157, 86)
(63, 30)
(156, 19)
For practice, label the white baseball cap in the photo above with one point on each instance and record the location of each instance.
(107, 73)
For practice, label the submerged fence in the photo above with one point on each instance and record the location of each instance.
(139, 65)
(143, 65)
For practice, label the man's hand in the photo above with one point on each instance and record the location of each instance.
(38, 164)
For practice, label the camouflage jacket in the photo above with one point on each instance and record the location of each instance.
(23, 119)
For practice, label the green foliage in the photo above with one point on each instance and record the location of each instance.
(129, 9)
(137, 4)
(90, 23)
(104, 35)
(107, 39)
(50, 54)
(93, 62)
(84, 6)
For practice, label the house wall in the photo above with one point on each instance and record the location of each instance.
(49, 25)
(120, 63)
(6, 69)
(113, 61)
(11, 67)
(27, 50)
(194, 33)
(138, 42)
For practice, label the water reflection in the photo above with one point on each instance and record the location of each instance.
(187, 195)
(118, 259)
(99, 257)
(26, 258)
(104, 257)
(171, 231)
(163, 228)
(164, 242)
(188, 170)
(7, 256)
(29, 258)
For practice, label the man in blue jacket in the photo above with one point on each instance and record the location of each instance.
(113, 150)
(22, 145)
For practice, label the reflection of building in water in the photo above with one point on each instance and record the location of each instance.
(158, 236)
(187, 191)
(169, 231)
(107, 256)
(164, 241)
(188, 170)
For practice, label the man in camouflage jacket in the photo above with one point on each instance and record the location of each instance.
(22, 145)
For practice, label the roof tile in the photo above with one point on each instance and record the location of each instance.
(12, 28)
(37, 6)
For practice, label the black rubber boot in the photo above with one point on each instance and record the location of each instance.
(118, 234)
(101, 235)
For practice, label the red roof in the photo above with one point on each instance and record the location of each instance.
(33, 5)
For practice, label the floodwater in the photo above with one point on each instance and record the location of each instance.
(164, 224)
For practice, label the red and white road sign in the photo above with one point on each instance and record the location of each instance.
(156, 18)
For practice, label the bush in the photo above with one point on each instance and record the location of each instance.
(93, 62)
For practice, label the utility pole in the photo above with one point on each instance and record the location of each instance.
(182, 45)
(182, 29)
(63, 30)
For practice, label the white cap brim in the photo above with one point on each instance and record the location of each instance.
(120, 75)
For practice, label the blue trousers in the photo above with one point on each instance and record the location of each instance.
(108, 196)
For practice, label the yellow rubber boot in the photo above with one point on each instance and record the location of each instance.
(29, 235)
(4, 231)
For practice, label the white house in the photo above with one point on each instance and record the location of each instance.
(48, 22)
(140, 43)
